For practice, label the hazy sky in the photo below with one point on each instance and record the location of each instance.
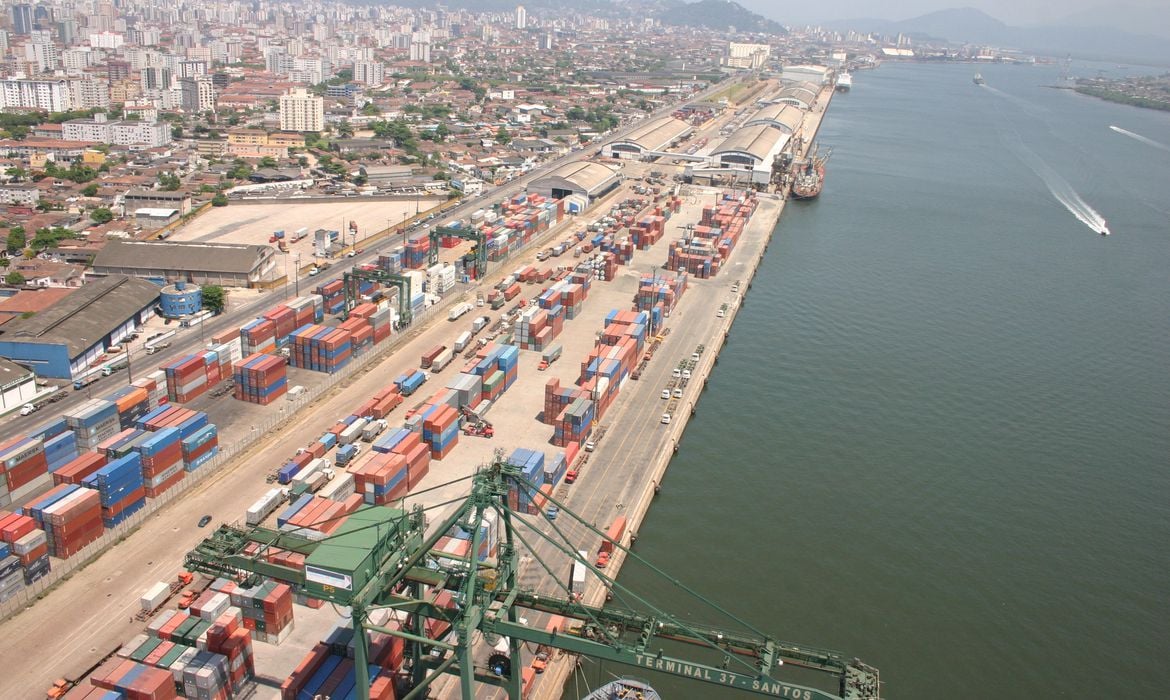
(1015, 12)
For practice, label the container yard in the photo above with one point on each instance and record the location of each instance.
(573, 411)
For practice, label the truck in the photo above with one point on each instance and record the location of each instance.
(347, 453)
(580, 571)
(429, 356)
(550, 355)
(111, 367)
(372, 429)
(442, 360)
(352, 432)
(458, 310)
(479, 324)
(614, 534)
(195, 319)
(40, 403)
(86, 378)
(409, 383)
(263, 507)
(462, 341)
(299, 234)
(512, 291)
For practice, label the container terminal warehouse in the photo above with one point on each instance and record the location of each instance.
(415, 466)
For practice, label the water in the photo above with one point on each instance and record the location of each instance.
(938, 437)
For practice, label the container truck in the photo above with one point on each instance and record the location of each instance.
(577, 582)
(347, 453)
(614, 534)
(442, 360)
(458, 310)
(372, 429)
(462, 341)
(512, 291)
(158, 342)
(116, 365)
(550, 355)
(430, 355)
(409, 383)
(41, 403)
(352, 432)
(479, 324)
(263, 507)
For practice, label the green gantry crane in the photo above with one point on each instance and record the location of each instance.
(467, 234)
(382, 557)
(351, 280)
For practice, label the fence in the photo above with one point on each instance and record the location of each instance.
(227, 452)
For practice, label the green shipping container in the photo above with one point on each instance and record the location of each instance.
(147, 647)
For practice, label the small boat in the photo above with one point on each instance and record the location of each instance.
(978, 79)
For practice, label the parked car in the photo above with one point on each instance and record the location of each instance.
(204, 520)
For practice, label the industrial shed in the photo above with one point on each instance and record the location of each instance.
(18, 385)
(750, 148)
(65, 339)
(802, 95)
(654, 136)
(577, 180)
(781, 115)
(230, 264)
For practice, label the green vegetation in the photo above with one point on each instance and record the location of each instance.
(18, 126)
(76, 172)
(502, 136)
(51, 237)
(240, 170)
(101, 215)
(219, 200)
(1123, 98)
(169, 182)
(14, 279)
(90, 190)
(213, 298)
(16, 240)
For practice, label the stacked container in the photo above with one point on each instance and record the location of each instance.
(574, 423)
(258, 336)
(190, 377)
(267, 609)
(538, 327)
(658, 295)
(521, 496)
(161, 456)
(135, 680)
(92, 422)
(120, 487)
(391, 262)
(71, 517)
(28, 543)
(260, 379)
(321, 348)
(441, 278)
(441, 431)
(332, 295)
(80, 467)
(416, 251)
(24, 466)
(284, 320)
(132, 403)
(200, 447)
(361, 333)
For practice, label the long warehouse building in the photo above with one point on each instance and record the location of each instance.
(655, 136)
(781, 115)
(751, 149)
(579, 184)
(65, 339)
(231, 264)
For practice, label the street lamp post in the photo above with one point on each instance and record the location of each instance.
(297, 272)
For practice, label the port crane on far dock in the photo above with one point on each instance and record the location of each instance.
(382, 558)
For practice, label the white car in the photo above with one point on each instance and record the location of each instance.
(666, 393)
(719, 313)
(315, 271)
(686, 374)
(695, 356)
(678, 393)
(677, 372)
(666, 419)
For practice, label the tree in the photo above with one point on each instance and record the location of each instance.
(101, 215)
(219, 200)
(213, 298)
(14, 279)
(267, 162)
(5, 262)
(169, 182)
(503, 136)
(176, 132)
(90, 190)
(16, 239)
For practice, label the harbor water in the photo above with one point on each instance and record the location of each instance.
(939, 436)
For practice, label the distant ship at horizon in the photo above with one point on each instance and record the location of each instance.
(978, 79)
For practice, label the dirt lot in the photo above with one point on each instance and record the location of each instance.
(253, 223)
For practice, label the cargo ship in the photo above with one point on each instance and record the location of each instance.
(978, 79)
(808, 176)
(624, 689)
(844, 82)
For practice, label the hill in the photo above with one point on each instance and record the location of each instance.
(719, 15)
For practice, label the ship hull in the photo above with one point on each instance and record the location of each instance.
(808, 185)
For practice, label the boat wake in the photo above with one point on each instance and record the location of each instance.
(1139, 137)
(1063, 191)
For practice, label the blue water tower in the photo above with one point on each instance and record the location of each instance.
(180, 299)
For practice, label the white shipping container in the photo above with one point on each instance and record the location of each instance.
(352, 432)
(342, 487)
(154, 596)
(462, 341)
